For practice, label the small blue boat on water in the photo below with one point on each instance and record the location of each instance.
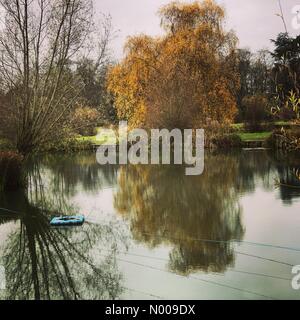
(62, 221)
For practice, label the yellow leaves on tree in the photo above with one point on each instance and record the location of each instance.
(183, 78)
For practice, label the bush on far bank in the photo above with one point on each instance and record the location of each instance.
(70, 144)
(226, 141)
(285, 139)
(85, 120)
(256, 111)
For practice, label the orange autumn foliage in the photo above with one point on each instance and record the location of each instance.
(183, 78)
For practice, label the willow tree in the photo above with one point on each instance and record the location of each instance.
(39, 42)
(183, 78)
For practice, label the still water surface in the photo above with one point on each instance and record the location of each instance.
(152, 232)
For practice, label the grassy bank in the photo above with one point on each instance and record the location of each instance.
(103, 137)
(100, 138)
(254, 136)
(242, 127)
(86, 142)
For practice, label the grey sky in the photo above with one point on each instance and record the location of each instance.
(254, 21)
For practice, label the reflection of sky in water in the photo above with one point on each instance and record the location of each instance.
(171, 219)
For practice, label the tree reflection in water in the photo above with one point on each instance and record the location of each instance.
(161, 204)
(165, 206)
(42, 262)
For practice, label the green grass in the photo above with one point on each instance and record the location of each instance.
(254, 136)
(283, 123)
(91, 139)
(98, 139)
(241, 126)
(101, 138)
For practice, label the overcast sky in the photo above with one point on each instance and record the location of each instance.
(254, 21)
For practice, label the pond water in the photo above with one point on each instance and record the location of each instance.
(152, 232)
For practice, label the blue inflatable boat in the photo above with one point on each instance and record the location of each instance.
(62, 221)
